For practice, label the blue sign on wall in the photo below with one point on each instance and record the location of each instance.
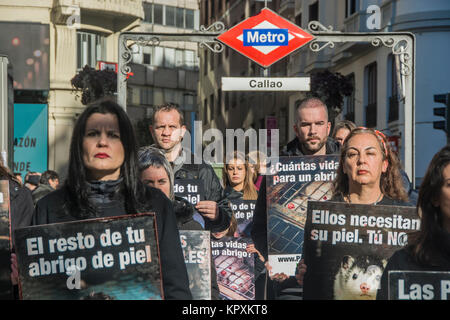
(30, 138)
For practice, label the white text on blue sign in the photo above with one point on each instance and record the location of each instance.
(265, 37)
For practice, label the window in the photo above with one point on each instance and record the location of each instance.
(170, 16)
(349, 101)
(147, 58)
(189, 19)
(148, 12)
(350, 7)
(91, 48)
(392, 89)
(371, 89)
(158, 56)
(205, 61)
(146, 97)
(158, 14)
(298, 20)
(169, 57)
(189, 59)
(314, 11)
(180, 18)
(206, 12)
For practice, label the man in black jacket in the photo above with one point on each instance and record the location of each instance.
(167, 130)
(311, 129)
(49, 182)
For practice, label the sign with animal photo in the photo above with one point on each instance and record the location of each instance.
(291, 183)
(103, 259)
(419, 285)
(235, 268)
(347, 247)
(243, 212)
(196, 246)
(5, 243)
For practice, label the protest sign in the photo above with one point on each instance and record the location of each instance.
(243, 212)
(106, 258)
(419, 285)
(234, 267)
(5, 242)
(347, 247)
(291, 183)
(197, 256)
(190, 189)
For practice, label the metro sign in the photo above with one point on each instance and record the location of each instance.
(265, 38)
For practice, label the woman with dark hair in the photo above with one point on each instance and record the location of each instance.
(103, 181)
(156, 171)
(429, 248)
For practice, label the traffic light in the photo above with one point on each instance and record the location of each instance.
(442, 112)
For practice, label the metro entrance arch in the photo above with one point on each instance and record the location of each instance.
(402, 45)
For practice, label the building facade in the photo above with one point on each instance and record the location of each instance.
(168, 72)
(80, 32)
(377, 98)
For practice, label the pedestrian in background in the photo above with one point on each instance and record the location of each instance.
(49, 182)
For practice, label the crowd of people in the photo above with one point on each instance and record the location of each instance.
(108, 176)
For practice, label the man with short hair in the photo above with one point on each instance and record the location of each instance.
(311, 129)
(49, 182)
(168, 130)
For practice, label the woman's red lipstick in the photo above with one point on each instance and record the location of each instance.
(101, 155)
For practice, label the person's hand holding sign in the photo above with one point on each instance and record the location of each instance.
(301, 268)
(208, 209)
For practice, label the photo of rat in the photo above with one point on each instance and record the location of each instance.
(358, 279)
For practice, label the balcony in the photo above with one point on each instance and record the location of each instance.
(122, 11)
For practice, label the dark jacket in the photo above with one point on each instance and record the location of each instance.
(231, 194)
(212, 188)
(184, 212)
(293, 148)
(109, 203)
(21, 211)
(402, 260)
(41, 191)
(259, 231)
(21, 204)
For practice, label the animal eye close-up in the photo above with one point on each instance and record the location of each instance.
(355, 276)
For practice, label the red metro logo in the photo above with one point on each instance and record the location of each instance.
(265, 38)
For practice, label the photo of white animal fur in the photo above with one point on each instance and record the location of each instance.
(358, 279)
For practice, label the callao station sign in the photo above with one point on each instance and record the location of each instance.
(265, 38)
